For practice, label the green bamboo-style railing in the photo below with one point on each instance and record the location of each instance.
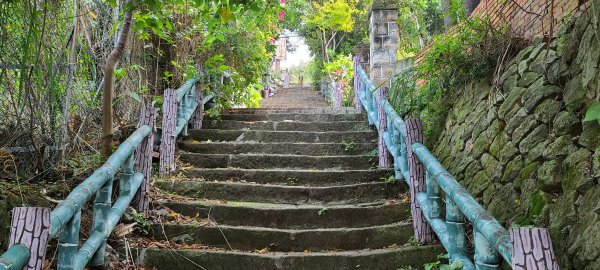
(491, 238)
(431, 184)
(65, 218)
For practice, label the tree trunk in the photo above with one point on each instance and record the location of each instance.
(109, 70)
(70, 78)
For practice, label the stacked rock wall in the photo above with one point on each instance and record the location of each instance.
(522, 148)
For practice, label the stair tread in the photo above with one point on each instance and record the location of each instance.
(283, 206)
(389, 258)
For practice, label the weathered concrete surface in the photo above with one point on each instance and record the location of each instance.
(313, 149)
(294, 216)
(270, 161)
(283, 136)
(256, 238)
(298, 180)
(304, 117)
(380, 259)
(294, 97)
(290, 177)
(286, 125)
(354, 193)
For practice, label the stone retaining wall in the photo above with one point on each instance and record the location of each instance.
(522, 149)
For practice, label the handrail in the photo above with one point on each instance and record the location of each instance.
(332, 91)
(65, 218)
(459, 202)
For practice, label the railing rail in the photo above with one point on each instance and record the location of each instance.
(64, 221)
(430, 182)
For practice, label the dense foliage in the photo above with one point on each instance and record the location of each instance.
(470, 52)
(54, 53)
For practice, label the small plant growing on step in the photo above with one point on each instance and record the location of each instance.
(143, 225)
(348, 144)
(413, 242)
(372, 153)
(323, 211)
(438, 265)
(388, 179)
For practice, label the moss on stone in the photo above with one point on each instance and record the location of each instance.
(513, 168)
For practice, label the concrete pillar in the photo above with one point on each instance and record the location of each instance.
(383, 36)
(363, 50)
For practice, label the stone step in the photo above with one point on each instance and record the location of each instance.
(283, 136)
(380, 259)
(292, 216)
(329, 110)
(306, 117)
(287, 125)
(290, 177)
(314, 149)
(270, 161)
(257, 238)
(235, 191)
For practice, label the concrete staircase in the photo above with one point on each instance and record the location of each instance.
(286, 188)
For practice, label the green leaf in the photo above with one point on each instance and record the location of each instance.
(593, 113)
(220, 37)
(135, 96)
(120, 73)
(112, 3)
(226, 14)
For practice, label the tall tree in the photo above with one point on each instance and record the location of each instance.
(109, 72)
(332, 21)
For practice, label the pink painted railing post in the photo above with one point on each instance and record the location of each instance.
(30, 227)
(532, 249)
(385, 158)
(143, 159)
(338, 94)
(167, 140)
(422, 231)
(356, 89)
(197, 117)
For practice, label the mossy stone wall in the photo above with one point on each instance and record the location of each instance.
(521, 147)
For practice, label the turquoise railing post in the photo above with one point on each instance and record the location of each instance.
(368, 103)
(434, 197)
(455, 222)
(385, 159)
(126, 176)
(68, 243)
(486, 257)
(102, 205)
